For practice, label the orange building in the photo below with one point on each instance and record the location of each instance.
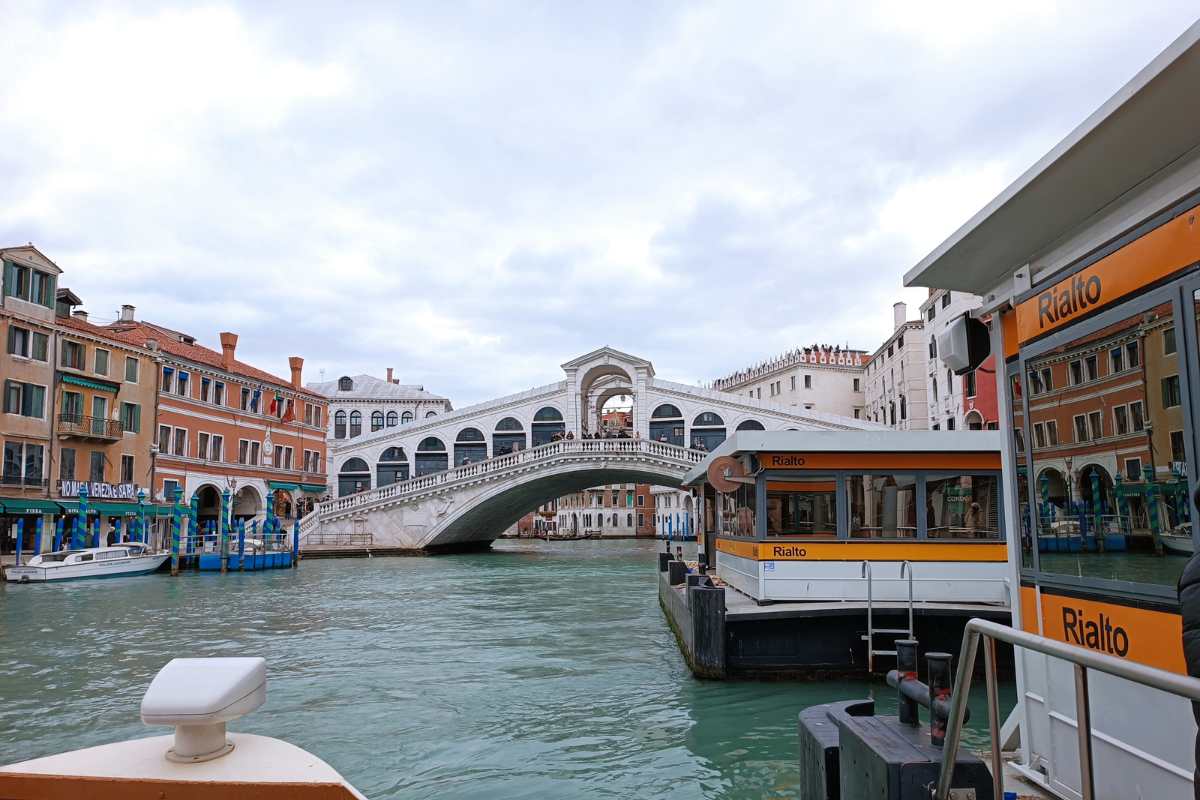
(226, 425)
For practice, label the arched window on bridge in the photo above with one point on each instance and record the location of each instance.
(392, 419)
(750, 425)
(339, 425)
(666, 425)
(470, 446)
(376, 421)
(429, 414)
(509, 437)
(406, 417)
(355, 423)
(392, 467)
(547, 422)
(355, 476)
(708, 429)
(431, 456)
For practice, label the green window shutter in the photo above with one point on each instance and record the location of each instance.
(10, 279)
(51, 284)
(12, 397)
(137, 418)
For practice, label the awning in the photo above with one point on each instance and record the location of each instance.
(89, 383)
(315, 488)
(119, 509)
(11, 505)
(287, 487)
(72, 507)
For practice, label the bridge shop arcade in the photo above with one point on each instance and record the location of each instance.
(834, 544)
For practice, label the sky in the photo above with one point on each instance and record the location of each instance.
(473, 193)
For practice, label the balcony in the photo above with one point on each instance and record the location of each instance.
(93, 428)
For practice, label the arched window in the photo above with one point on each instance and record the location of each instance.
(629, 520)
(429, 414)
(355, 423)
(406, 417)
(547, 423)
(354, 477)
(750, 425)
(392, 467)
(392, 419)
(666, 425)
(509, 437)
(431, 456)
(708, 431)
(376, 420)
(339, 425)
(345, 384)
(470, 447)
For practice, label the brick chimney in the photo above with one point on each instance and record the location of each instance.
(297, 365)
(127, 313)
(389, 377)
(228, 348)
(899, 315)
(80, 315)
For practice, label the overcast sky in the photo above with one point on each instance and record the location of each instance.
(474, 193)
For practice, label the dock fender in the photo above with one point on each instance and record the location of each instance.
(1189, 602)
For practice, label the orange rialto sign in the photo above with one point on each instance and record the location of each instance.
(872, 461)
(1153, 638)
(1163, 251)
(858, 550)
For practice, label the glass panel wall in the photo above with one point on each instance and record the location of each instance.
(1107, 491)
(963, 507)
(883, 506)
(803, 506)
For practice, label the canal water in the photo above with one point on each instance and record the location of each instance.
(539, 670)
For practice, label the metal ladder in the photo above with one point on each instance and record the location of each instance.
(869, 636)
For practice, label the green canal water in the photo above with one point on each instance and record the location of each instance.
(535, 671)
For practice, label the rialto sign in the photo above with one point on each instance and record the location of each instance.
(97, 490)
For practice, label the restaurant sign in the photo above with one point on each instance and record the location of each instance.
(97, 490)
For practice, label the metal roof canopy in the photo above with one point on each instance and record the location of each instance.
(1149, 123)
(848, 442)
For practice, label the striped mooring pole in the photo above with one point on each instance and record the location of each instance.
(295, 544)
(20, 539)
(241, 545)
(58, 533)
(225, 531)
(37, 535)
(176, 514)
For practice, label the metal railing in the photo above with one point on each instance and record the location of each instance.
(1082, 659)
(905, 570)
(338, 539)
(98, 427)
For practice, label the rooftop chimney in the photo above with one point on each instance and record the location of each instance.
(899, 315)
(389, 378)
(127, 313)
(228, 348)
(79, 314)
(297, 365)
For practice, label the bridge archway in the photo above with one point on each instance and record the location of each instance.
(666, 424)
(470, 446)
(431, 456)
(750, 425)
(354, 476)
(547, 422)
(392, 467)
(708, 430)
(483, 518)
(508, 437)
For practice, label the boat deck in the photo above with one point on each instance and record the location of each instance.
(741, 607)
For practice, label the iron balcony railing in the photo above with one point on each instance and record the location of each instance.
(88, 427)
(1082, 659)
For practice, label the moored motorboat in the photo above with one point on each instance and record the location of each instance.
(119, 560)
(1180, 544)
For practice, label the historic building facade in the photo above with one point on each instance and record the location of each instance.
(104, 412)
(819, 377)
(27, 368)
(361, 404)
(226, 425)
(896, 395)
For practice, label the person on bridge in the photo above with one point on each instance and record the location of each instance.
(570, 434)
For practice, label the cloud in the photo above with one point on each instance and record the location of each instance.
(476, 198)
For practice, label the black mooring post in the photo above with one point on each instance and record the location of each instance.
(676, 572)
(663, 560)
(906, 666)
(940, 688)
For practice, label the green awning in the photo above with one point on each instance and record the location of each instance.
(118, 509)
(16, 506)
(315, 488)
(89, 383)
(72, 507)
(287, 487)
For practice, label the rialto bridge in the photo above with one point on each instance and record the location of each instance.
(449, 481)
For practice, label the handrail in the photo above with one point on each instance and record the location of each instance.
(1083, 660)
(906, 568)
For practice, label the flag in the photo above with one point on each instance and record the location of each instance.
(289, 412)
(275, 404)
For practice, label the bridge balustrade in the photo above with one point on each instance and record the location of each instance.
(466, 472)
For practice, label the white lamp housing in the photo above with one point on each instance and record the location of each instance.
(198, 696)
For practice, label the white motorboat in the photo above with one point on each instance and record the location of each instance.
(1180, 544)
(127, 558)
